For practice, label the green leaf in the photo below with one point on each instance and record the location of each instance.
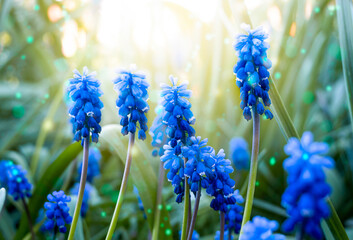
(46, 183)
(142, 175)
(345, 26)
(2, 198)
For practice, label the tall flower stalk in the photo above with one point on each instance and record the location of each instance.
(85, 113)
(132, 104)
(252, 79)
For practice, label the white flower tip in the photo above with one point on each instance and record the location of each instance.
(245, 26)
(133, 67)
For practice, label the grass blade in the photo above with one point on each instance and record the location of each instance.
(345, 26)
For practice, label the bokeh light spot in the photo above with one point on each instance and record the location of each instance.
(18, 111)
(103, 214)
(36, 7)
(23, 57)
(317, 9)
(30, 39)
(272, 161)
(303, 51)
(149, 211)
(162, 225)
(168, 232)
(277, 75)
(160, 206)
(168, 207)
(257, 183)
(328, 88)
(18, 95)
(54, 13)
(308, 97)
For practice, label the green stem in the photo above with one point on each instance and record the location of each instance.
(222, 226)
(253, 169)
(300, 232)
(81, 189)
(194, 215)
(335, 224)
(123, 187)
(157, 215)
(29, 218)
(186, 210)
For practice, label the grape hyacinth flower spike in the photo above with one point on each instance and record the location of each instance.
(13, 177)
(132, 103)
(198, 170)
(158, 133)
(252, 73)
(252, 78)
(305, 196)
(233, 216)
(84, 90)
(226, 236)
(260, 228)
(57, 212)
(178, 118)
(93, 168)
(239, 153)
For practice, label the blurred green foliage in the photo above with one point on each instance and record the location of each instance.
(178, 39)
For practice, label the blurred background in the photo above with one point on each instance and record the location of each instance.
(43, 41)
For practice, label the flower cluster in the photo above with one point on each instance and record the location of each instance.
(221, 185)
(86, 194)
(178, 116)
(307, 189)
(260, 228)
(86, 111)
(178, 119)
(225, 236)
(198, 167)
(173, 160)
(233, 216)
(13, 177)
(132, 102)
(239, 153)
(57, 211)
(93, 169)
(158, 133)
(251, 71)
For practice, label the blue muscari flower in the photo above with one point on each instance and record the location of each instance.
(178, 119)
(132, 102)
(195, 235)
(252, 71)
(173, 160)
(225, 237)
(220, 184)
(86, 111)
(233, 216)
(198, 167)
(307, 189)
(158, 133)
(13, 177)
(86, 194)
(260, 228)
(57, 211)
(239, 153)
(93, 169)
(178, 116)
(139, 200)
